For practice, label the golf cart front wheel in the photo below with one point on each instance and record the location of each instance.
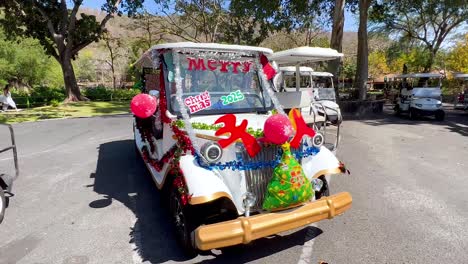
(440, 115)
(181, 219)
(3, 204)
(325, 190)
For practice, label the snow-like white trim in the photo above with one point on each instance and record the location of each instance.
(146, 60)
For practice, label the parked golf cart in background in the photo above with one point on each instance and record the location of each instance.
(319, 105)
(462, 85)
(6, 179)
(215, 137)
(419, 95)
(324, 93)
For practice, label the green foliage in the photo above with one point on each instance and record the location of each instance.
(45, 95)
(424, 23)
(458, 57)
(377, 64)
(101, 93)
(85, 69)
(54, 103)
(98, 94)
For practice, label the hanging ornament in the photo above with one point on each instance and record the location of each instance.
(289, 186)
(277, 129)
(300, 126)
(267, 68)
(236, 132)
(143, 105)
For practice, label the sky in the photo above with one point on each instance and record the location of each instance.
(351, 21)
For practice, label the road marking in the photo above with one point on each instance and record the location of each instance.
(306, 253)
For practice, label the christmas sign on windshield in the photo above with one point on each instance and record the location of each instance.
(204, 64)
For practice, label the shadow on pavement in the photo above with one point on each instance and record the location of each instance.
(122, 176)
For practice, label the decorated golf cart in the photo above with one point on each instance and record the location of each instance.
(319, 105)
(419, 95)
(231, 163)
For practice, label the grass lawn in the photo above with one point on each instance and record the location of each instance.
(79, 109)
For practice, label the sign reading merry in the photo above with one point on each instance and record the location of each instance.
(201, 64)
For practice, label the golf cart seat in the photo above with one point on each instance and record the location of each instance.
(300, 100)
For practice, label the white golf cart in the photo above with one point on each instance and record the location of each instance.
(324, 93)
(212, 146)
(420, 95)
(322, 108)
(462, 98)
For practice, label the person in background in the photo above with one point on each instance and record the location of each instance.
(7, 100)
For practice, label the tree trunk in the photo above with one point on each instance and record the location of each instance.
(336, 41)
(430, 61)
(72, 91)
(363, 50)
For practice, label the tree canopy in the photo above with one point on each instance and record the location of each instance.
(60, 29)
(425, 22)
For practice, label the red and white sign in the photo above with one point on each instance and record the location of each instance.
(201, 64)
(198, 102)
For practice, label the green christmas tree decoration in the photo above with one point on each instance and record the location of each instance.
(289, 186)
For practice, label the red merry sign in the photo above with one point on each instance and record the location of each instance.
(201, 64)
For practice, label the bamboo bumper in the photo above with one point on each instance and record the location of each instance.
(245, 229)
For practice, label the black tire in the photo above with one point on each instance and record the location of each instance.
(397, 110)
(3, 204)
(325, 190)
(183, 225)
(440, 115)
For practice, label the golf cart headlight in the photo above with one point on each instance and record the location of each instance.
(212, 152)
(439, 105)
(317, 140)
(317, 184)
(419, 105)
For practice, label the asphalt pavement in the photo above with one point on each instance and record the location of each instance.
(83, 196)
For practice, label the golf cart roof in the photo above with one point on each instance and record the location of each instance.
(146, 61)
(322, 74)
(291, 70)
(304, 54)
(460, 75)
(420, 75)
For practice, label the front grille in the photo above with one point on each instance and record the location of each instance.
(257, 180)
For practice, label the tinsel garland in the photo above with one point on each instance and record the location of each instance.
(267, 87)
(242, 165)
(257, 133)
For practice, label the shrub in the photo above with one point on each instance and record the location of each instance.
(99, 93)
(54, 103)
(44, 95)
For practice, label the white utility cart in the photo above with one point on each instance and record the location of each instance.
(420, 94)
(317, 87)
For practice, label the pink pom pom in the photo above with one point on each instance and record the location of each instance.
(277, 129)
(143, 105)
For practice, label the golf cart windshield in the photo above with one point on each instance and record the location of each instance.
(323, 88)
(214, 85)
(290, 81)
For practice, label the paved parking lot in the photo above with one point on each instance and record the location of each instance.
(84, 197)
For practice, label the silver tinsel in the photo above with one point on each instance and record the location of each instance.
(180, 101)
(267, 87)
